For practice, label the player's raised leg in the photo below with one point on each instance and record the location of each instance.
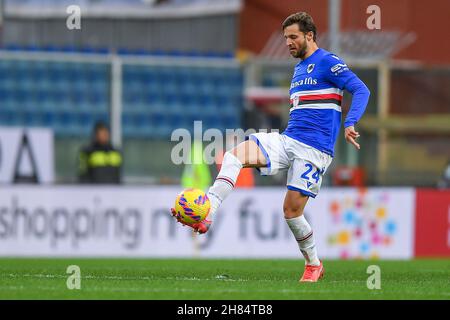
(247, 154)
(294, 205)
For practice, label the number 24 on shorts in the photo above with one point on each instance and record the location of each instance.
(315, 176)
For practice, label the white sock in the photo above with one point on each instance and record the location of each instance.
(305, 239)
(225, 181)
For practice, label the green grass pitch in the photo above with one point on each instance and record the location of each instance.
(187, 279)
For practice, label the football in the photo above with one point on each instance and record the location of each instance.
(192, 205)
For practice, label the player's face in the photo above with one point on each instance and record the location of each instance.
(296, 41)
(102, 136)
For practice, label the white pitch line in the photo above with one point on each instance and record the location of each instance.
(36, 275)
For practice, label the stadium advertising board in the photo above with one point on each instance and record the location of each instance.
(26, 155)
(432, 223)
(364, 223)
(134, 221)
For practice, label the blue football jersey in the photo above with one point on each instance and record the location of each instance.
(316, 96)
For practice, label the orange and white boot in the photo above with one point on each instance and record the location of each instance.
(199, 227)
(312, 273)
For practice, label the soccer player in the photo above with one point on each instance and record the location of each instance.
(306, 148)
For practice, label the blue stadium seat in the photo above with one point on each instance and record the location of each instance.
(156, 99)
(5, 94)
(48, 118)
(141, 52)
(9, 106)
(157, 52)
(103, 50)
(5, 117)
(88, 50)
(13, 47)
(69, 49)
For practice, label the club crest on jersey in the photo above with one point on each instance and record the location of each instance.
(310, 68)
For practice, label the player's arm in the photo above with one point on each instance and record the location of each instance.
(83, 166)
(360, 98)
(340, 75)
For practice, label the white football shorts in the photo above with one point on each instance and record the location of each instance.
(306, 165)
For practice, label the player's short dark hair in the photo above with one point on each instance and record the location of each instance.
(304, 21)
(100, 125)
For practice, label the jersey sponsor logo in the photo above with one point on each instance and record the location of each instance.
(306, 81)
(310, 68)
(338, 68)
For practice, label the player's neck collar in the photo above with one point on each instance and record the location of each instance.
(312, 54)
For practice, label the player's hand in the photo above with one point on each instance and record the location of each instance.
(351, 135)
